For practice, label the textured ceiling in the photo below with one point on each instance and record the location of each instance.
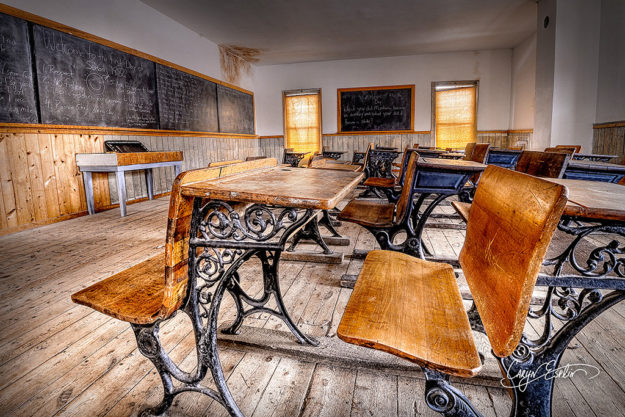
(287, 31)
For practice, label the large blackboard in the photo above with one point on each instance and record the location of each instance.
(236, 111)
(84, 83)
(17, 93)
(376, 109)
(52, 77)
(186, 102)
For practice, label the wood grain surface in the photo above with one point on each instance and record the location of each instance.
(511, 223)
(413, 309)
(282, 186)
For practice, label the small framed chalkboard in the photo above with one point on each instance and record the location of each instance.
(376, 109)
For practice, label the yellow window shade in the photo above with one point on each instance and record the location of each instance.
(456, 121)
(303, 122)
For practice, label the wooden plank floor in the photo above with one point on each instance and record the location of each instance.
(58, 358)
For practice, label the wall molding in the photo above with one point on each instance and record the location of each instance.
(99, 130)
(608, 124)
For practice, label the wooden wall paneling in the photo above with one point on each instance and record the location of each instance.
(71, 170)
(81, 146)
(101, 196)
(46, 154)
(35, 174)
(6, 180)
(21, 183)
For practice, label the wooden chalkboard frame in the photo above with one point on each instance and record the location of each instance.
(30, 127)
(390, 87)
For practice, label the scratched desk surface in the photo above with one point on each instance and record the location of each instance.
(282, 186)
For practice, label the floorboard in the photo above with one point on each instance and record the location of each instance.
(61, 359)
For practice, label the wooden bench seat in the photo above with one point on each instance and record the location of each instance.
(368, 213)
(423, 296)
(462, 208)
(134, 295)
(154, 289)
(412, 308)
(380, 182)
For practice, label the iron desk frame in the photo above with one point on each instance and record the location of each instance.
(222, 238)
(578, 291)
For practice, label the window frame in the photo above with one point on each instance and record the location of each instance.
(302, 92)
(456, 84)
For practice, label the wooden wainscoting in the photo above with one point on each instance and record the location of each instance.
(41, 184)
(40, 181)
(609, 139)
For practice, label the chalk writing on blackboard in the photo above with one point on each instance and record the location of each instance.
(380, 109)
(84, 83)
(17, 93)
(186, 102)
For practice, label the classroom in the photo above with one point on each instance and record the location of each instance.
(312, 208)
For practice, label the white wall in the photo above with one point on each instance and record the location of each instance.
(135, 25)
(611, 80)
(545, 60)
(523, 84)
(492, 68)
(575, 72)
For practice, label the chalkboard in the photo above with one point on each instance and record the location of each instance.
(186, 102)
(17, 93)
(84, 83)
(236, 111)
(376, 109)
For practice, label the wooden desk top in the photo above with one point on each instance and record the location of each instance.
(596, 165)
(594, 199)
(126, 158)
(281, 186)
(450, 164)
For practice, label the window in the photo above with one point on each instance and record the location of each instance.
(302, 120)
(455, 113)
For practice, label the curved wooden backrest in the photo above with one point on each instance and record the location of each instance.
(576, 148)
(365, 160)
(468, 151)
(511, 223)
(480, 151)
(179, 223)
(404, 164)
(404, 201)
(568, 151)
(543, 164)
(222, 163)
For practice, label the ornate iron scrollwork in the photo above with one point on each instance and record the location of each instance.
(260, 223)
(601, 261)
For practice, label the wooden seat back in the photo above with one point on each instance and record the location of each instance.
(468, 151)
(365, 160)
(543, 164)
(222, 163)
(480, 152)
(404, 164)
(179, 223)
(511, 223)
(568, 151)
(405, 198)
(576, 148)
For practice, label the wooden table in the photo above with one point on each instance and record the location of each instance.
(594, 171)
(222, 238)
(119, 163)
(430, 153)
(594, 157)
(452, 155)
(593, 200)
